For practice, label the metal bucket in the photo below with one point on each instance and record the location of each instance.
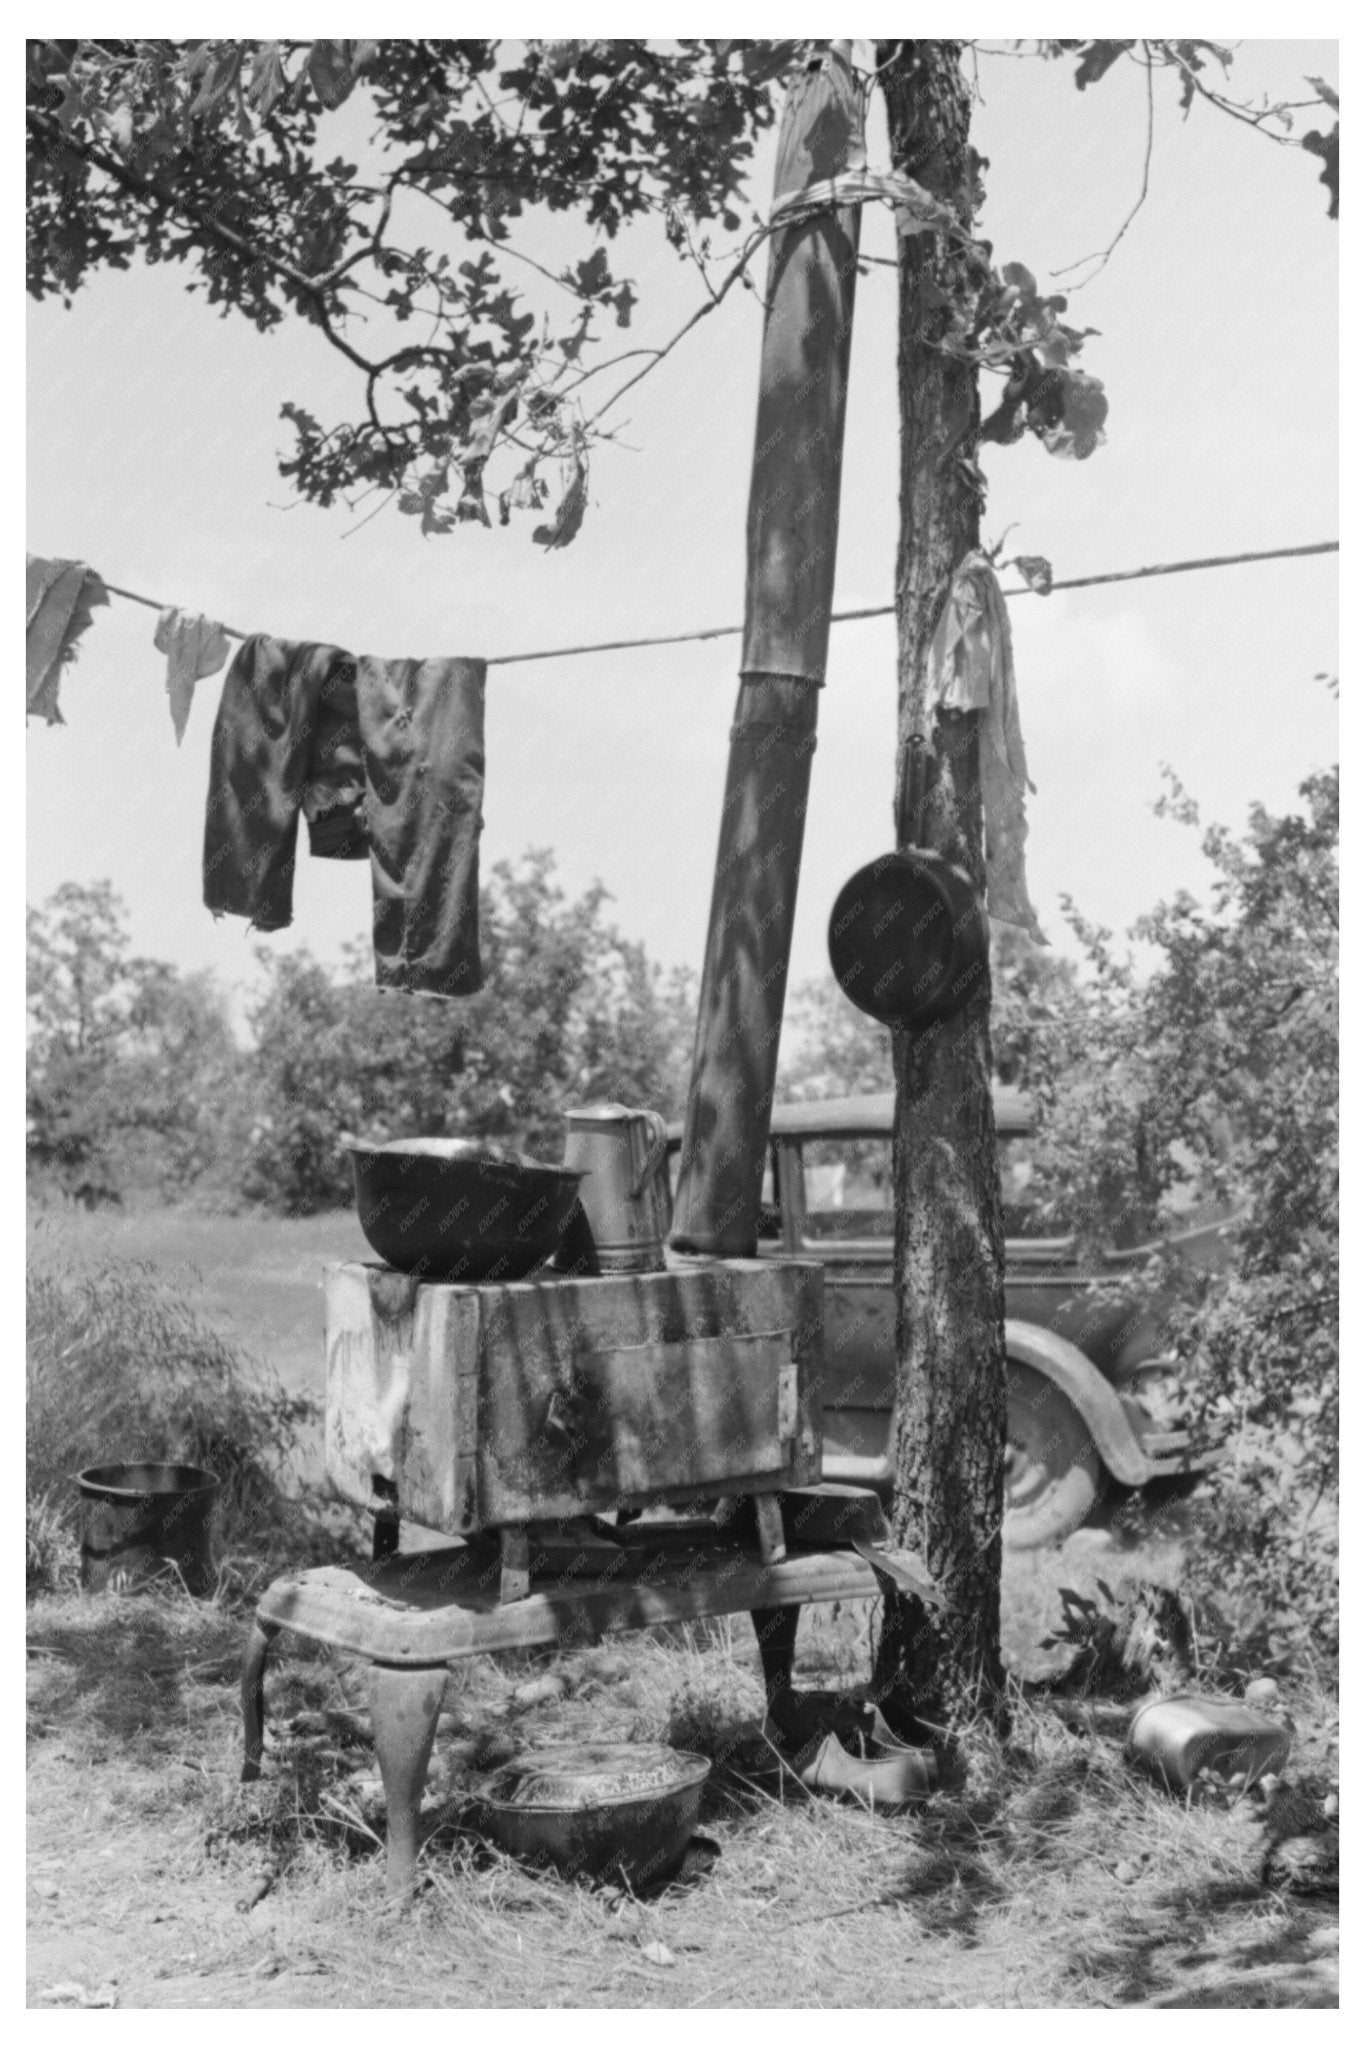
(146, 1522)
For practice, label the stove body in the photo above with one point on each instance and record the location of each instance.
(467, 1408)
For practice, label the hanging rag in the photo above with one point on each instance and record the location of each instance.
(194, 647)
(971, 668)
(385, 760)
(59, 598)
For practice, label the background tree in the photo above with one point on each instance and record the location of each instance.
(569, 1010)
(131, 1066)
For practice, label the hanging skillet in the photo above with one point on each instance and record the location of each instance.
(908, 936)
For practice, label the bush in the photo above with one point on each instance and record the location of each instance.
(120, 1369)
(1210, 1081)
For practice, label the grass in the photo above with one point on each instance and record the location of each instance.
(1053, 1876)
(254, 1279)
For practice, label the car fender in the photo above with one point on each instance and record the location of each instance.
(1088, 1391)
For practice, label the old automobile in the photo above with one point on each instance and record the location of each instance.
(1092, 1398)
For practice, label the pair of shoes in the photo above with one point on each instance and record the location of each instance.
(897, 1777)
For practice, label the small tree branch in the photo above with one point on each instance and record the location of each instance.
(154, 194)
(1101, 257)
(758, 236)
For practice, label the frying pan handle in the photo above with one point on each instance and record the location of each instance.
(658, 1145)
(912, 786)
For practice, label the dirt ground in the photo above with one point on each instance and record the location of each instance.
(1053, 1877)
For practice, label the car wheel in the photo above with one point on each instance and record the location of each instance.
(1052, 1469)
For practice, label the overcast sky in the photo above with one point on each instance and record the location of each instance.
(154, 429)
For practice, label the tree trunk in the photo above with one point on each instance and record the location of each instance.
(938, 1669)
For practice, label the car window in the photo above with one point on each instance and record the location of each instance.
(848, 1189)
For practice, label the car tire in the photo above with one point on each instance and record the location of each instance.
(1053, 1475)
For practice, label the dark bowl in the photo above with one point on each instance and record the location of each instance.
(453, 1209)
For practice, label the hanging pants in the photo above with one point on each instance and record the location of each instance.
(386, 760)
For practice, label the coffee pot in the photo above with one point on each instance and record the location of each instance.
(624, 1192)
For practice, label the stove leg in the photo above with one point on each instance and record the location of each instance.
(387, 1523)
(404, 1707)
(253, 1698)
(776, 1628)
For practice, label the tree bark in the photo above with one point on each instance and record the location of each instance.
(937, 1669)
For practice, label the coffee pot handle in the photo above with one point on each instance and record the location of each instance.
(658, 1145)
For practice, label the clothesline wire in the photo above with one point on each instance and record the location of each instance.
(878, 611)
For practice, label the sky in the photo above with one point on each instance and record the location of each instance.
(154, 432)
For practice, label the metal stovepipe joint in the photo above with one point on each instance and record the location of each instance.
(792, 534)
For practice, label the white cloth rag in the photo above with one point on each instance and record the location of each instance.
(971, 668)
(194, 647)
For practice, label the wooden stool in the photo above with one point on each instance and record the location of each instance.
(411, 1616)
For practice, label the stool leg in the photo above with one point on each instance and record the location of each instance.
(253, 1698)
(776, 1628)
(404, 1707)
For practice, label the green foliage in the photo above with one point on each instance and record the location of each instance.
(569, 1011)
(121, 1370)
(1247, 1009)
(1031, 987)
(131, 1067)
(232, 158)
(830, 1048)
(337, 182)
(1012, 324)
(1213, 1080)
(1327, 147)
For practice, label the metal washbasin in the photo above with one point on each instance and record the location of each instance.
(596, 1810)
(457, 1209)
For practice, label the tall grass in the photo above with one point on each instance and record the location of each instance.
(120, 1369)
